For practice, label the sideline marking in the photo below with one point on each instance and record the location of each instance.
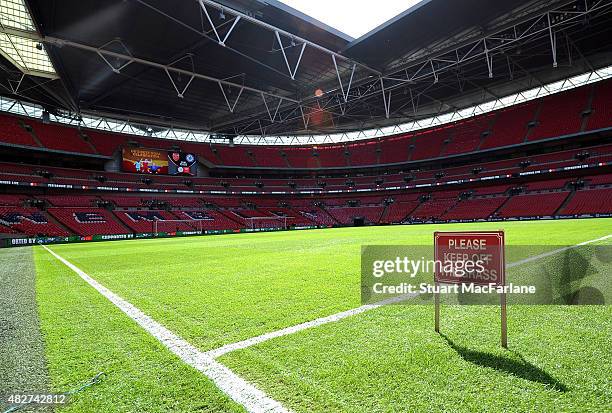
(241, 391)
(553, 252)
(228, 348)
(218, 352)
(209, 356)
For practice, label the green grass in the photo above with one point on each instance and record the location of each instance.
(391, 359)
(221, 289)
(23, 368)
(218, 290)
(85, 334)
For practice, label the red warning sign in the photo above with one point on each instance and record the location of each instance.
(470, 257)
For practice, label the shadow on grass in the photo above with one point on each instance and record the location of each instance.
(519, 368)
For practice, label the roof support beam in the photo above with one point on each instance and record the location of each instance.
(272, 118)
(131, 59)
(553, 41)
(227, 35)
(230, 106)
(181, 93)
(212, 38)
(305, 119)
(293, 71)
(287, 34)
(503, 38)
(348, 89)
(386, 100)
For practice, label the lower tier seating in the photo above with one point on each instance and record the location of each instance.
(443, 206)
(88, 221)
(537, 199)
(592, 201)
(533, 205)
(30, 221)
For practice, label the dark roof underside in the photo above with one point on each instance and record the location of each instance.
(163, 32)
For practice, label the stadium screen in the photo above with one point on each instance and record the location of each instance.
(152, 161)
(182, 163)
(145, 161)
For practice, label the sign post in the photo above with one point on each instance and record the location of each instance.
(437, 312)
(504, 321)
(471, 258)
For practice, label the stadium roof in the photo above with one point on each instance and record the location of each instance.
(354, 18)
(237, 67)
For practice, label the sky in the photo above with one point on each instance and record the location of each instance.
(353, 17)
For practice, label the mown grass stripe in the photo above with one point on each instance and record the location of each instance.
(556, 251)
(241, 391)
(218, 352)
(22, 359)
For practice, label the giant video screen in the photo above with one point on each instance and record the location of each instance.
(182, 163)
(145, 161)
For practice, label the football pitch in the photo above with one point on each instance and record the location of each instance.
(215, 291)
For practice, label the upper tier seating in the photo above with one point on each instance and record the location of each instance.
(269, 157)
(299, 157)
(60, 138)
(106, 143)
(468, 135)
(364, 153)
(601, 115)
(332, 157)
(554, 115)
(510, 126)
(429, 144)
(561, 114)
(396, 149)
(233, 155)
(12, 132)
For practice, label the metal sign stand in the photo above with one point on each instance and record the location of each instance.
(504, 321)
(437, 312)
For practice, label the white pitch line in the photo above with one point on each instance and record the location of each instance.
(553, 252)
(192, 354)
(218, 352)
(241, 391)
(228, 348)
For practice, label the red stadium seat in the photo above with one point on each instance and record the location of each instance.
(592, 201)
(533, 205)
(12, 133)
